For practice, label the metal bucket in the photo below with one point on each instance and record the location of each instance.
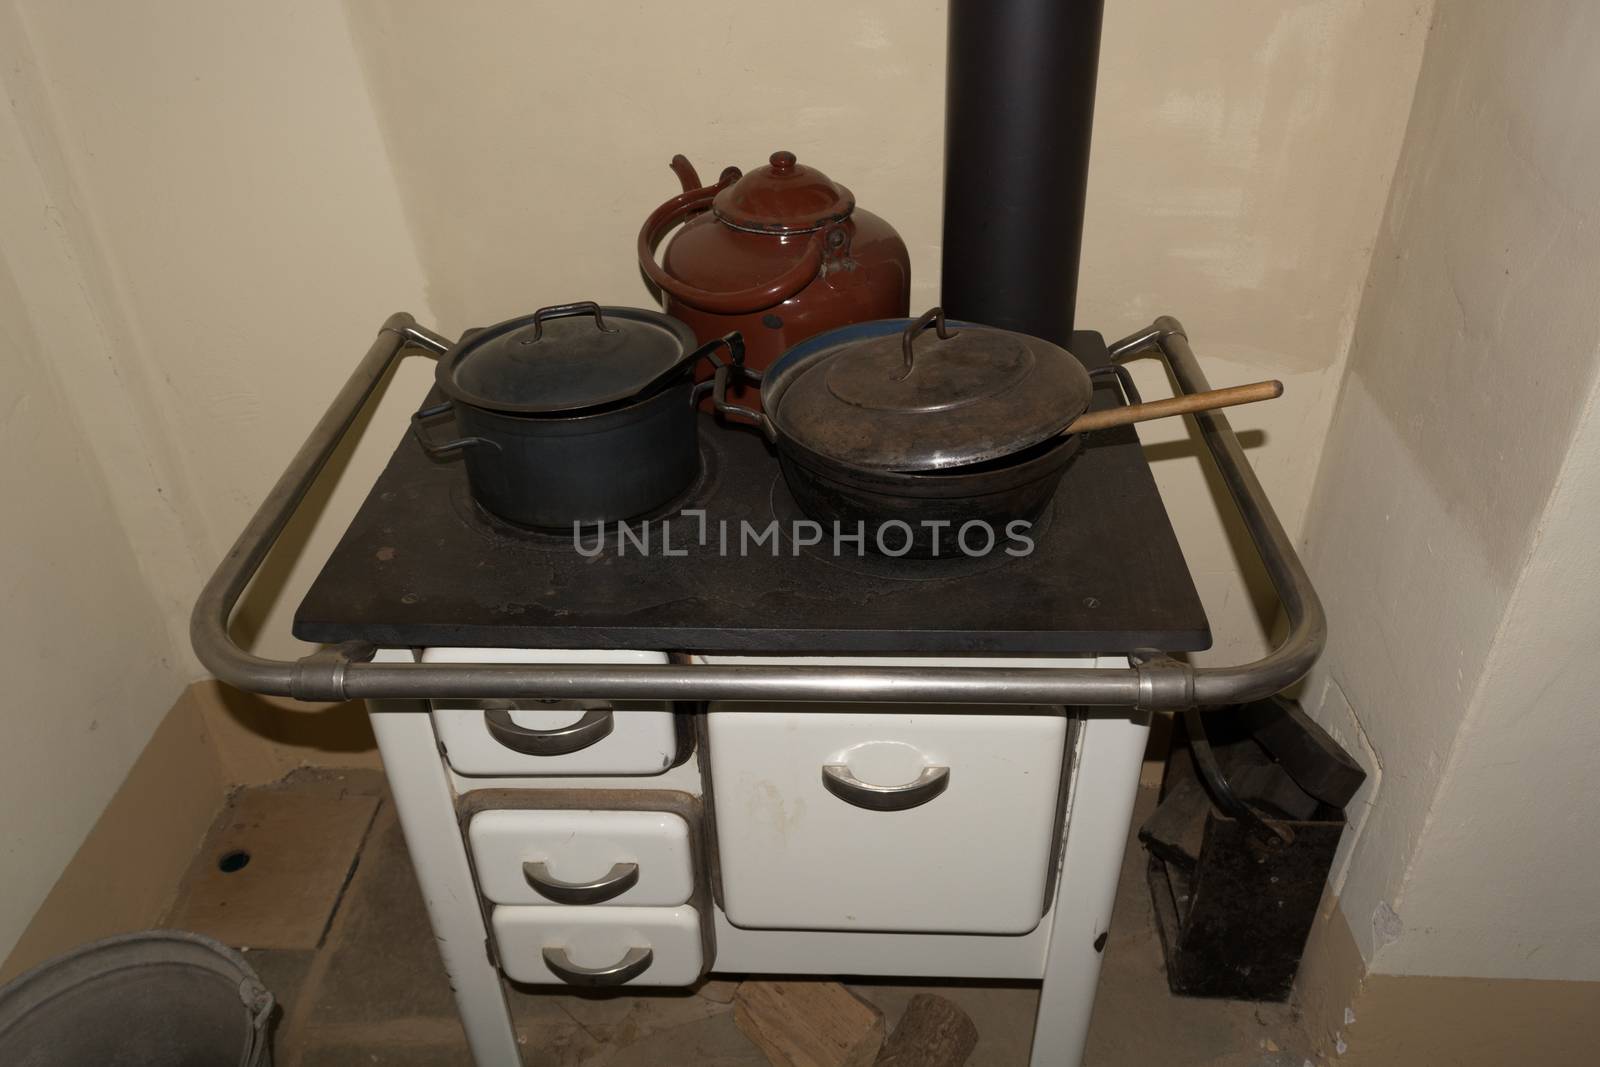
(158, 997)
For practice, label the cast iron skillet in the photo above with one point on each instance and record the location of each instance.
(909, 513)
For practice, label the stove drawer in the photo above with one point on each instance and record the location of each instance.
(555, 857)
(600, 946)
(565, 737)
(537, 738)
(885, 818)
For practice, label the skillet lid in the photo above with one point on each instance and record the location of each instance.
(564, 358)
(910, 401)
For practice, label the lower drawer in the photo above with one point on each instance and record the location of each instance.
(599, 946)
(566, 857)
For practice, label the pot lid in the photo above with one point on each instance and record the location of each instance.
(785, 196)
(564, 358)
(910, 401)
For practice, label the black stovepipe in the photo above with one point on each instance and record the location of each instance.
(1019, 108)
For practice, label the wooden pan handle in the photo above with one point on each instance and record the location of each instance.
(1178, 405)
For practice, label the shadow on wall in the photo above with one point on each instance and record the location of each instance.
(275, 579)
(329, 729)
(257, 740)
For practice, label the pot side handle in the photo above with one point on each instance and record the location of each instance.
(719, 397)
(437, 449)
(737, 302)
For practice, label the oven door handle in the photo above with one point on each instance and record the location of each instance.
(595, 726)
(615, 882)
(634, 963)
(838, 780)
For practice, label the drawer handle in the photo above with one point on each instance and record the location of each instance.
(631, 966)
(615, 882)
(594, 727)
(852, 790)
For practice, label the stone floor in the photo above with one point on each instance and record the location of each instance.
(375, 993)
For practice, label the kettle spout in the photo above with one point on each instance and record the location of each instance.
(686, 173)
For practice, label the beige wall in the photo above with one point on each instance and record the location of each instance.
(230, 201)
(88, 661)
(1452, 529)
(1242, 156)
(1357, 1019)
(1506, 885)
(199, 238)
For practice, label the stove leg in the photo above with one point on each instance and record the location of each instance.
(1105, 785)
(426, 806)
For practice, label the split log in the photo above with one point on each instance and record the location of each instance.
(809, 1024)
(932, 1033)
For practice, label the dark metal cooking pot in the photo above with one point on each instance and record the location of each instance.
(925, 515)
(576, 413)
(912, 513)
(975, 426)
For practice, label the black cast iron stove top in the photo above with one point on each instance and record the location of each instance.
(423, 565)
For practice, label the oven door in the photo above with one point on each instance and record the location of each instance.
(885, 817)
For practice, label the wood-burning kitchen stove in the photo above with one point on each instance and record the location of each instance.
(621, 768)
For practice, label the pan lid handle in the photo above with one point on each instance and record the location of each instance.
(886, 397)
(556, 311)
(934, 318)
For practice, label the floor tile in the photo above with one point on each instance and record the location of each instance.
(272, 869)
(713, 1041)
(382, 961)
(284, 972)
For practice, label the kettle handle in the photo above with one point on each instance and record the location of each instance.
(737, 302)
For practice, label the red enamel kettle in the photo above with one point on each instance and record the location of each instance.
(779, 254)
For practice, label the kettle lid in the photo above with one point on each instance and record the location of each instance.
(785, 196)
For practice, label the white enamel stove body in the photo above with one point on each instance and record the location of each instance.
(851, 839)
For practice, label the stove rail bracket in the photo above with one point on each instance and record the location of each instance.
(1155, 682)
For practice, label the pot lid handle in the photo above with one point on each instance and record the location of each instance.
(934, 318)
(560, 311)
